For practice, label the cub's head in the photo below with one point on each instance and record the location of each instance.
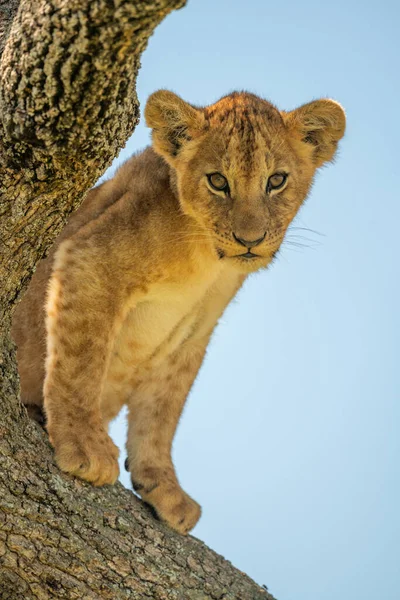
(243, 167)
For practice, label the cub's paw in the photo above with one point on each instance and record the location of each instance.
(92, 456)
(173, 506)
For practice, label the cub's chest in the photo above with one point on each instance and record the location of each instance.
(160, 323)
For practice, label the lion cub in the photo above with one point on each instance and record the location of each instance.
(123, 308)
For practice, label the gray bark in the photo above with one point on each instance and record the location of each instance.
(67, 106)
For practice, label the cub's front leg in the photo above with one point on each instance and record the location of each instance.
(81, 318)
(154, 411)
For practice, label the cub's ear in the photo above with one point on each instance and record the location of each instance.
(173, 121)
(321, 125)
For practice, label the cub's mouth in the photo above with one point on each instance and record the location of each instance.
(246, 262)
(249, 255)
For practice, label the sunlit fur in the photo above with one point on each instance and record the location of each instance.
(122, 310)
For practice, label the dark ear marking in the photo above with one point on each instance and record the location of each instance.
(311, 138)
(177, 137)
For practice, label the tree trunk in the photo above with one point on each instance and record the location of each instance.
(67, 106)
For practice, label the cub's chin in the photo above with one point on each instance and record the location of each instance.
(250, 265)
(245, 263)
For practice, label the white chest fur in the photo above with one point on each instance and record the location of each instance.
(161, 322)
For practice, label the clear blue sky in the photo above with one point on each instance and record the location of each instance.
(293, 449)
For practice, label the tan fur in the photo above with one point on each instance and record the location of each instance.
(122, 310)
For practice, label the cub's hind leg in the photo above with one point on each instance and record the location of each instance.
(29, 335)
(154, 412)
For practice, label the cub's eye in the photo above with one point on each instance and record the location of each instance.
(218, 182)
(276, 181)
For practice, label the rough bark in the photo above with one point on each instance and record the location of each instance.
(67, 106)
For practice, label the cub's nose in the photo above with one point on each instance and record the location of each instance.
(249, 243)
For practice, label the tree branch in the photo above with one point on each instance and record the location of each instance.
(8, 9)
(57, 533)
(67, 106)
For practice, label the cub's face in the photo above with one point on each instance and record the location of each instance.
(244, 168)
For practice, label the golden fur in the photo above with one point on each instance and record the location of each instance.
(122, 310)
